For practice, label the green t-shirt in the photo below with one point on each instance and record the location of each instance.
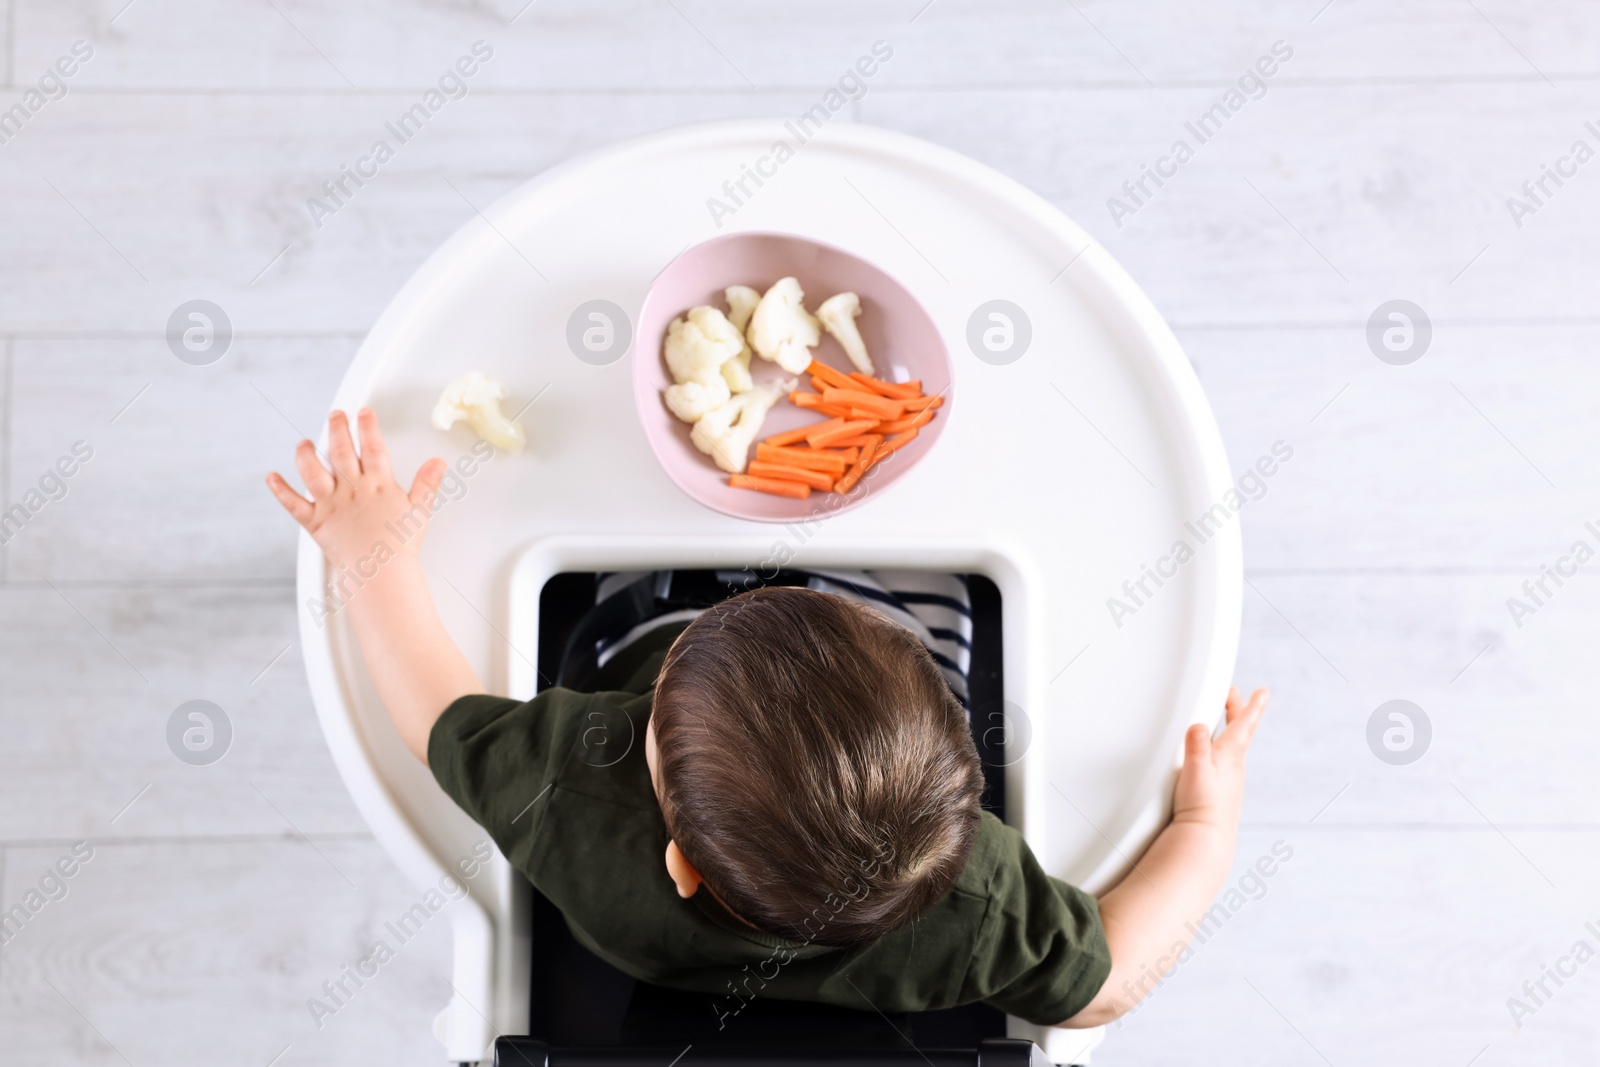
(560, 783)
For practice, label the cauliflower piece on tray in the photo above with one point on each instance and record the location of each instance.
(475, 399)
(782, 330)
(838, 316)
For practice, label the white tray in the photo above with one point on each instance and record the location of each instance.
(1059, 476)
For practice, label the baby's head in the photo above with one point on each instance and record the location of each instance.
(813, 767)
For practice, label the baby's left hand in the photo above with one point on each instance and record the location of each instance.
(1210, 785)
(358, 506)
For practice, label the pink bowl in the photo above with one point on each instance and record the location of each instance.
(899, 334)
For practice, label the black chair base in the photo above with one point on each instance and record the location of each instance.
(995, 1052)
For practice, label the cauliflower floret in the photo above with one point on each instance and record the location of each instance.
(699, 343)
(690, 401)
(476, 399)
(726, 433)
(838, 316)
(782, 330)
(742, 301)
(736, 372)
(714, 425)
(697, 347)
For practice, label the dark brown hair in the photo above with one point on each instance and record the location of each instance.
(814, 765)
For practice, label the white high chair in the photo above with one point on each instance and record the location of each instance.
(1060, 476)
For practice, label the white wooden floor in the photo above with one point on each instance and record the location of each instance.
(1419, 898)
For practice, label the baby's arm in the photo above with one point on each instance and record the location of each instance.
(1148, 915)
(368, 526)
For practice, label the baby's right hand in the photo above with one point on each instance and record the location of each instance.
(1210, 787)
(358, 511)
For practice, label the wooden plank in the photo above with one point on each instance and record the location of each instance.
(635, 44)
(1508, 705)
(1355, 213)
(96, 674)
(1315, 204)
(1462, 460)
(223, 214)
(1455, 920)
(5, 448)
(209, 952)
(174, 489)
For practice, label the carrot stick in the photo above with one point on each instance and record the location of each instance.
(820, 383)
(882, 407)
(825, 435)
(814, 402)
(828, 374)
(810, 458)
(849, 455)
(815, 479)
(899, 440)
(790, 437)
(860, 440)
(862, 413)
(831, 424)
(911, 422)
(892, 390)
(869, 456)
(775, 486)
(922, 403)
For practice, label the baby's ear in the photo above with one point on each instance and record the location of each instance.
(681, 871)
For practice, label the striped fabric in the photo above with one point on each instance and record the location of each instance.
(933, 605)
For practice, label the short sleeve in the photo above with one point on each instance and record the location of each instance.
(1042, 954)
(499, 758)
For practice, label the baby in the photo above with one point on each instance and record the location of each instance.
(802, 819)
